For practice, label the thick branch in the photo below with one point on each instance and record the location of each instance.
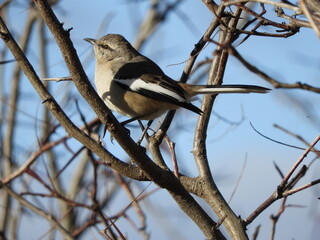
(210, 191)
(72, 130)
(164, 179)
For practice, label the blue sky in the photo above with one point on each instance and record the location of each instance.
(287, 60)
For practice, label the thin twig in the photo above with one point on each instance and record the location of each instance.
(134, 199)
(35, 155)
(239, 178)
(276, 4)
(173, 156)
(276, 217)
(298, 137)
(276, 141)
(66, 234)
(290, 192)
(266, 77)
(302, 157)
(279, 193)
(307, 13)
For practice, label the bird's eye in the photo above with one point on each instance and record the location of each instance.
(105, 46)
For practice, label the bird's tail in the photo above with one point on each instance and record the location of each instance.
(217, 89)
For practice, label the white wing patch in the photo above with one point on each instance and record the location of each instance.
(138, 84)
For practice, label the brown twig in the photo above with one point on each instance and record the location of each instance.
(280, 192)
(276, 4)
(239, 179)
(66, 234)
(276, 141)
(300, 138)
(275, 218)
(134, 199)
(308, 185)
(269, 79)
(307, 13)
(36, 154)
(256, 232)
(299, 161)
(173, 156)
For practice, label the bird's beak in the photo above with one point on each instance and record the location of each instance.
(91, 40)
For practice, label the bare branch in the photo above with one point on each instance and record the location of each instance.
(276, 4)
(39, 211)
(279, 193)
(295, 166)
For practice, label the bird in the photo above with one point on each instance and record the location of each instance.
(135, 86)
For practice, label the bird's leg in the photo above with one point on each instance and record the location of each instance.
(131, 120)
(122, 123)
(145, 129)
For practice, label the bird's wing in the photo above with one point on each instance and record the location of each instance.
(161, 88)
